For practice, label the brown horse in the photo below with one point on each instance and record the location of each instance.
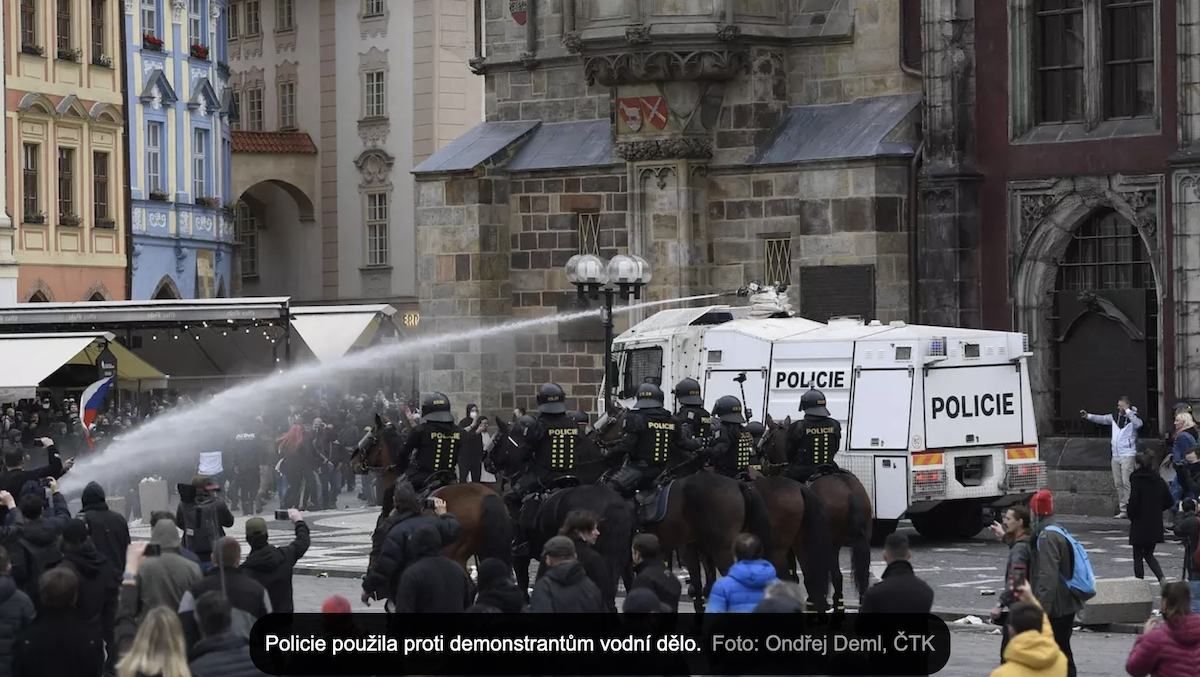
(486, 531)
(705, 512)
(847, 509)
(800, 532)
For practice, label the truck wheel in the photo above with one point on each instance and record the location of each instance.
(880, 530)
(957, 521)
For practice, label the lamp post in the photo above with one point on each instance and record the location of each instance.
(621, 277)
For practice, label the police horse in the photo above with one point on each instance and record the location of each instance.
(545, 510)
(846, 507)
(486, 530)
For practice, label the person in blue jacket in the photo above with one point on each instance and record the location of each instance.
(743, 587)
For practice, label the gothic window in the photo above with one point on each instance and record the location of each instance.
(779, 261)
(1059, 60)
(246, 226)
(1104, 321)
(377, 229)
(589, 233)
(97, 296)
(1128, 58)
(66, 183)
(30, 181)
(39, 297)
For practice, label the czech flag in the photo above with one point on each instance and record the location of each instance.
(89, 406)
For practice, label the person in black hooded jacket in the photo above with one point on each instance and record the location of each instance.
(498, 588)
(273, 566)
(389, 554)
(431, 583)
(109, 530)
(37, 547)
(650, 572)
(58, 642)
(565, 588)
(99, 584)
(16, 613)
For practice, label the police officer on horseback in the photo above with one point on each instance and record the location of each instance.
(551, 441)
(732, 450)
(695, 419)
(813, 441)
(651, 434)
(433, 445)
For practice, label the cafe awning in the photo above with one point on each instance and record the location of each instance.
(331, 331)
(28, 359)
(133, 373)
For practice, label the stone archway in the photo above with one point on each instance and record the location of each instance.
(1043, 218)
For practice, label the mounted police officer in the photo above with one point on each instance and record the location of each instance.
(433, 445)
(732, 449)
(697, 422)
(813, 441)
(651, 434)
(551, 442)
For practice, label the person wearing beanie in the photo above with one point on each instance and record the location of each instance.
(272, 566)
(1051, 568)
(564, 588)
(98, 583)
(163, 578)
(498, 587)
(109, 530)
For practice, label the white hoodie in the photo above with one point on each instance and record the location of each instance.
(1124, 439)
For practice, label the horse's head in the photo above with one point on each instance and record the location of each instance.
(371, 452)
(774, 440)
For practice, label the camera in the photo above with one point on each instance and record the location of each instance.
(152, 550)
(281, 514)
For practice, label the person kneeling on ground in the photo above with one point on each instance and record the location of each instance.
(1032, 650)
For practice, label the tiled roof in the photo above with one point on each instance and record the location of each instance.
(273, 142)
(860, 129)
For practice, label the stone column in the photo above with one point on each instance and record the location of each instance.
(1185, 184)
(463, 284)
(948, 214)
(8, 262)
(1188, 19)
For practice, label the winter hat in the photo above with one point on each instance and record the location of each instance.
(93, 493)
(335, 604)
(75, 532)
(1042, 503)
(165, 534)
(559, 547)
(493, 571)
(642, 601)
(256, 526)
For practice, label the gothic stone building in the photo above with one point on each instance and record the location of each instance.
(725, 142)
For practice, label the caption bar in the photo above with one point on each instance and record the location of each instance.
(593, 644)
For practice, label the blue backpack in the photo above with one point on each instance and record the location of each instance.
(1083, 579)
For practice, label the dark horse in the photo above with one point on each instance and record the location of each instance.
(486, 531)
(847, 509)
(705, 512)
(616, 520)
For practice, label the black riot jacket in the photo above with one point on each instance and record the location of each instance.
(698, 420)
(651, 436)
(814, 440)
(732, 449)
(554, 441)
(434, 446)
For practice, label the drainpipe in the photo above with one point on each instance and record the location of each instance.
(125, 188)
(478, 29)
(913, 235)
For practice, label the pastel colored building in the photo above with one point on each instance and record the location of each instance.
(64, 139)
(179, 148)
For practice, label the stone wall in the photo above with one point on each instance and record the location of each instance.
(835, 215)
(557, 94)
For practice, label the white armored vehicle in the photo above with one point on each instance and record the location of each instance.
(937, 422)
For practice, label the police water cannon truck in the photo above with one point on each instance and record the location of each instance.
(937, 422)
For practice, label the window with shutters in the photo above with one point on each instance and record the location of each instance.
(778, 261)
(589, 233)
(836, 291)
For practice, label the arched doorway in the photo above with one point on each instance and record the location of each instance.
(1105, 320)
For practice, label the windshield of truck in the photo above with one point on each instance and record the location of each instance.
(641, 365)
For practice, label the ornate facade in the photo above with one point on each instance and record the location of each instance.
(725, 142)
(64, 161)
(179, 148)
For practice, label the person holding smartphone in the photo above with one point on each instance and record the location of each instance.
(1013, 530)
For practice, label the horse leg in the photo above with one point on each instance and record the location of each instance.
(690, 557)
(835, 576)
(521, 572)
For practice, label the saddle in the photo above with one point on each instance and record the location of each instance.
(825, 471)
(650, 505)
(436, 481)
(532, 502)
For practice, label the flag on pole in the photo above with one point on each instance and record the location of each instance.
(89, 406)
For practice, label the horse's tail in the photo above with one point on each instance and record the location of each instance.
(860, 542)
(496, 529)
(758, 518)
(819, 555)
(616, 538)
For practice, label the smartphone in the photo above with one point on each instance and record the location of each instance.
(281, 515)
(152, 550)
(429, 503)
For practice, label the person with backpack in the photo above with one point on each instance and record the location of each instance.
(1149, 496)
(38, 547)
(203, 517)
(1061, 573)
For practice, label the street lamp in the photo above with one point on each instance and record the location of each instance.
(623, 276)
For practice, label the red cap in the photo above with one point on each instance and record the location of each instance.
(1042, 503)
(335, 604)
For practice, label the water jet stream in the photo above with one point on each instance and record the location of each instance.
(211, 424)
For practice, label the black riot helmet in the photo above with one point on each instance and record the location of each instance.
(581, 418)
(551, 399)
(813, 402)
(649, 396)
(436, 407)
(687, 392)
(756, 429)
(729, 410)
